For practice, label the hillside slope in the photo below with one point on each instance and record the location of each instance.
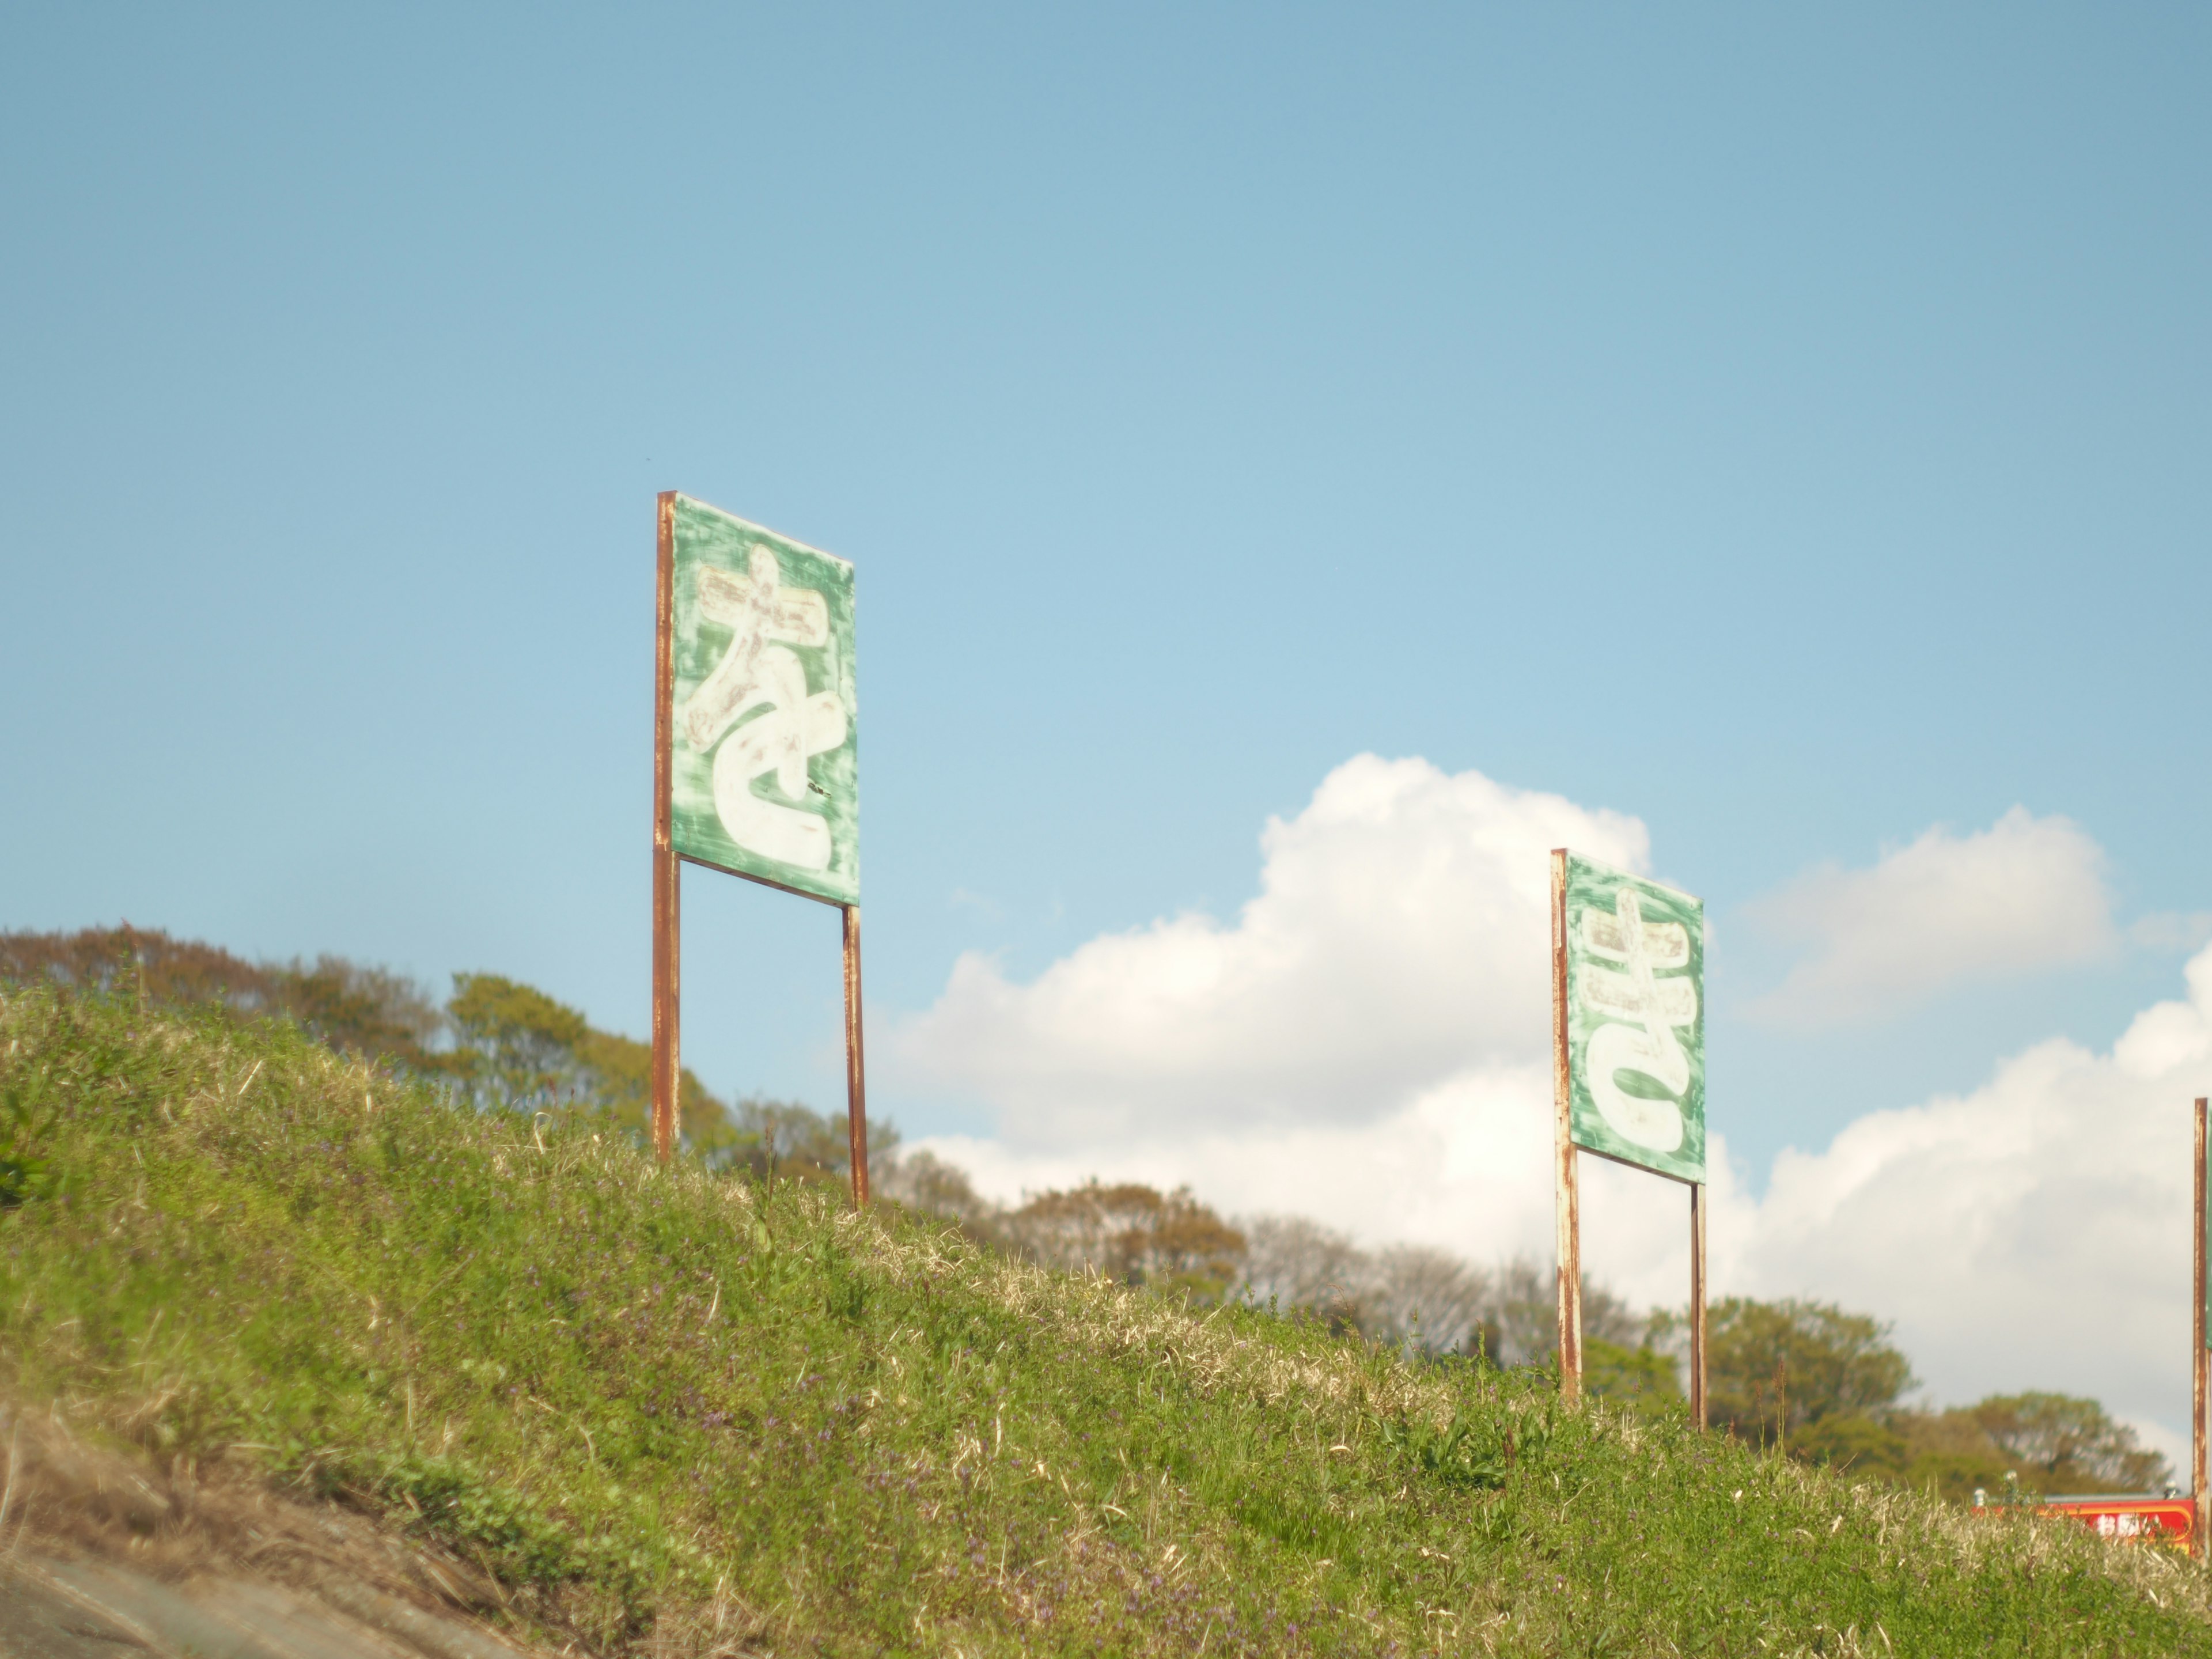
(654, 1407)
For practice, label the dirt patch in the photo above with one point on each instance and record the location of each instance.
(102, 1553)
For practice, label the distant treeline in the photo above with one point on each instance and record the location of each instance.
(499, 1043)
(1808, 1378)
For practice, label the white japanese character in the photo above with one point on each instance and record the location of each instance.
(1649, 1046)
(756, 672)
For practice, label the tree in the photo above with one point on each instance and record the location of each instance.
(925, 1182)
(144, 964)
(365, 1012)
(620, 1073)
(368, 1012)
(2063, 1444)
(1947, 1453)
(1423, 1297)
(1419, 1296)
(517, 1050)
(1775, 1369)
(1134, 1233)
(1291, 1262)
(782, 1140)
(1641, 1377)
(1865, 1443)
(1525, 1316)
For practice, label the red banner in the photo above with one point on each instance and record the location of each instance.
(2168, 1521)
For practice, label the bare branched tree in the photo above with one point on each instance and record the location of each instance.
(1525, 1313)
(1291, 1262)
(1425, 1298)
(924, 1182)
(1129, 1231)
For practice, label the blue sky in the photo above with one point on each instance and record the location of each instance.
(1785, 427)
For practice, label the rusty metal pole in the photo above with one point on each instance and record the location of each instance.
(2203, 1512)
(667, 874)
(1698, 1303)
(856, 1080)
(1563, 1148)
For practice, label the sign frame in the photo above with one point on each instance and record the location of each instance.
(669, 857)
(2200, 1359)
(1568, 1144)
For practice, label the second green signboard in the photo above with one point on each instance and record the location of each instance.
(1635, 1020)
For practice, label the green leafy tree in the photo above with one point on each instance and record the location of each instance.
(1947, 1453)
(786, 1140)
(2063, 1444)
(2050, 1444)
(1775, 1370)
(517, 1050)
(368, 1012)
(1643, 1377)
(1859, 1441)
(621, 1072)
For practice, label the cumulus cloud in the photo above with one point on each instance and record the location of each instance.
(1366, 1044)
(2035, 1230)
(2026, 893)
(1399, 936)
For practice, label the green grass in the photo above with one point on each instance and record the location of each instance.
(665, 1409)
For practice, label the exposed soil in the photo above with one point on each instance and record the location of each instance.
(104, 1556)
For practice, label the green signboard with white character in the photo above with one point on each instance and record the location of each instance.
(755, 759)
(1628, 1066)
(764, 775)
(1636, 1019)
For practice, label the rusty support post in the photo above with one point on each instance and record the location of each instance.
(1563, 1147)
(856, 1071)
(667, 874)
(2198, 1359)
(1698, 1303)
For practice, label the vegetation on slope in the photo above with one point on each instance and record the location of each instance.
(1821, 1384)
(665, 1406)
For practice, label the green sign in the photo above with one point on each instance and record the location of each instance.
(765, 773)
(1635, 1020)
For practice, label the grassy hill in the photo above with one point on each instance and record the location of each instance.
(669, 1410)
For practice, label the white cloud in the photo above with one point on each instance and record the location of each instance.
(2027, 893)
(1399, 937)
(2034, 1232)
